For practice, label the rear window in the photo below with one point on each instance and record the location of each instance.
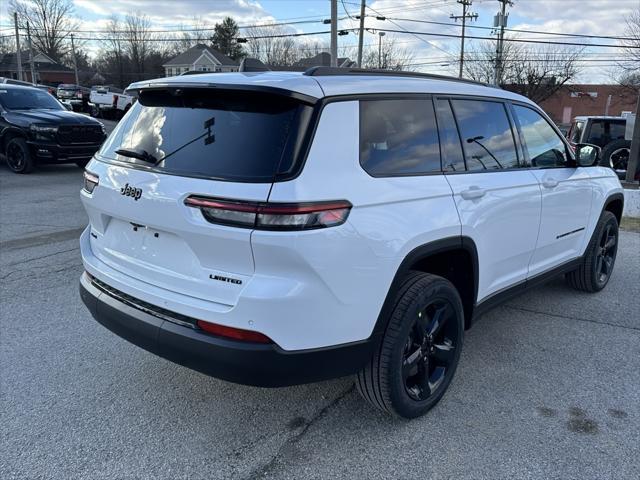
(223, 135)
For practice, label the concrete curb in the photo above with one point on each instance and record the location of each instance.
(631, 203)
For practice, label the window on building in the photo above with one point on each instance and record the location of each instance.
(398, 137)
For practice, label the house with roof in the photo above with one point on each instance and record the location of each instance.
(323, 59)
(200, 58)
(48, 71)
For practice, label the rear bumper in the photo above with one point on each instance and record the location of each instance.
(53, 152)
(239, 362)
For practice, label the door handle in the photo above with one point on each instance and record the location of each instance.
(472, 193)
(549, 183)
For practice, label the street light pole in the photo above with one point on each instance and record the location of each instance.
(33, 69)
(18, 53)
(334, 33)
(380, 35)
(75, 63)
(361, 34)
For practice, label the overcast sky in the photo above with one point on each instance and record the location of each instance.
(592, 17)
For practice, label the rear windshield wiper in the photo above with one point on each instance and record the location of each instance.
(138, 155)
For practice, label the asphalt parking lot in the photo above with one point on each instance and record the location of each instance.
(548, 385)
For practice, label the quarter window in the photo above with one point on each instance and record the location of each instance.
(452, 156)
(398, 137)
(486, 134)
(545, 147)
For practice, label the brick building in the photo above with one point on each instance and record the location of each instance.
(48, 72)
(573, 100)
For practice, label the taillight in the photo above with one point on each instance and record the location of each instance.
(233, 333)
(115, 101)
(272, 216)
(90, 181)
(79, 95)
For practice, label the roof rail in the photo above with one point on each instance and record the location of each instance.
(331, 71)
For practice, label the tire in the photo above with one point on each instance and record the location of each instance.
(599, 259)
(94, 111)
(82, 163)
(411, 371)
(615, 155)
(18, 156)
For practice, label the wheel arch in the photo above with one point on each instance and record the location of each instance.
(8, 134)
(454, 258)
(615, 204)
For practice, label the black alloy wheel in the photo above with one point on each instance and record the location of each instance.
(594, 271)
(420, 350)
(428, 353)
(18, 156)
(606, 254)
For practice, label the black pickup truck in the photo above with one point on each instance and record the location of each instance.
(36, 128)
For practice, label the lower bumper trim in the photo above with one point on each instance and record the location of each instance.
(263, 365)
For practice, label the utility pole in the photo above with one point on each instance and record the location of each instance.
(634, 153)
(363, 4)
(75, 63)
(18, 53)
(334, 33)
(380, 35)
(500, 20)
(465, 14)
(33, 68)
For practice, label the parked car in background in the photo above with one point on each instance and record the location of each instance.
(36, 128)
(607, 132)
(12, 81)
(76, 96)
(110, 102)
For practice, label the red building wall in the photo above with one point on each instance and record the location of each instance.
(574, 100)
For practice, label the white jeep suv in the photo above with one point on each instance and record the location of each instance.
(277, 228)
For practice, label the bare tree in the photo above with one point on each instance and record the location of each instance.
(536, 72)
(389, 57)
(137, 40)
(51, 23)
(197, 32)
(114, 47)
(631, 45)
(265, 44)
(7, 44)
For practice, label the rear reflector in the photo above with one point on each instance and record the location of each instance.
(233, 333)
(272, 216)
(90, 181)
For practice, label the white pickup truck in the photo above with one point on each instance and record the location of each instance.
(109, 102)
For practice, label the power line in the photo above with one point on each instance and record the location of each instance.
(577, 35)
(547, 42)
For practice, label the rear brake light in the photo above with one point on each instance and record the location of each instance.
(272, 216)
(233, 333)
(90, 181)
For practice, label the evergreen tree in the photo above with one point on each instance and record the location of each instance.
(224, 39)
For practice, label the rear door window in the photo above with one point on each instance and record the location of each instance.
(487, 138)
(224, 135)
(398, 137)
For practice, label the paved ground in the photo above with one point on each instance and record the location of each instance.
(548, 386)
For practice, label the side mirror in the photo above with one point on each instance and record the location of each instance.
(587, 155)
